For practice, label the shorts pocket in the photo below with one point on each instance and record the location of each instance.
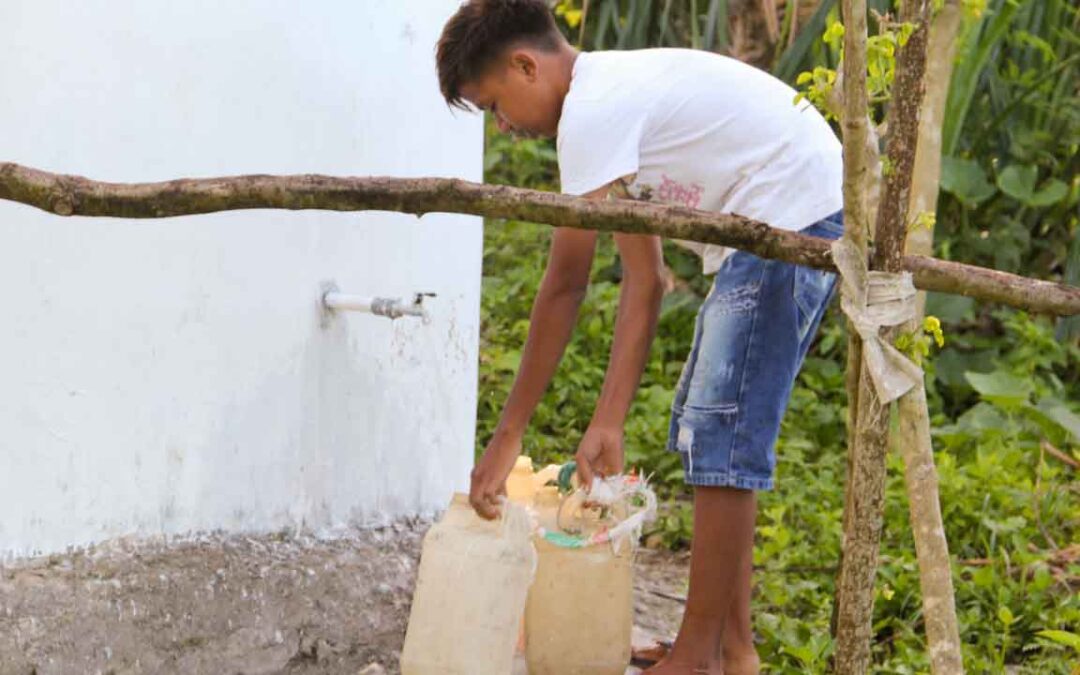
(705, 434)
(812, 291)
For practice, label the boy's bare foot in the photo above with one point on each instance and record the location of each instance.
(748, 664)
(671, 666)
(743, 665)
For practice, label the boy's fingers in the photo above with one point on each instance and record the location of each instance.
(484, 506)
(585, 473)
(477, 500)
(485, 499)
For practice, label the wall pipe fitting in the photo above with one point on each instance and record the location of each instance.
(334, 301)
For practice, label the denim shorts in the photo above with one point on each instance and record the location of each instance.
(751, 336)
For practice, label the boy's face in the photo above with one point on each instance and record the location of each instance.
(520, 90)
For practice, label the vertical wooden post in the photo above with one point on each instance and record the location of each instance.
(913, 437)
(858, 175)
(867, 446)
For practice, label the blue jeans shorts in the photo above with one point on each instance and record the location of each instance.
(750, 339)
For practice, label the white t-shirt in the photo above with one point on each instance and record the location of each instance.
(700, 130)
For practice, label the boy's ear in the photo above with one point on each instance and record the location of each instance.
(523, 62)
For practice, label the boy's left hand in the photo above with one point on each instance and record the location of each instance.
(600, 453)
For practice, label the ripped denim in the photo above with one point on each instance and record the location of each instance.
(751, 336)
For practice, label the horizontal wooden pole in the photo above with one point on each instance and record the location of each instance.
(67, 195)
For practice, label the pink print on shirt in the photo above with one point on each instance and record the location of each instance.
(674, 192)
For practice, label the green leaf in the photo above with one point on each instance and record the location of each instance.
(983, 417)
(1060, 413)
(984, 577)
(951, 365)
(797, 56)
(507, 361)
(999, 386)
(965, 179)
(1006, 616)
(950, 308)
(973, 53)
(1052, 192)
(1063, 637)
(1019, 181)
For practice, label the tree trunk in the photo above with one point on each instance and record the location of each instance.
(860, 170)
(865, 488)
(913, 437)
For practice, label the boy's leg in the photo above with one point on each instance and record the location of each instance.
(737, 639)
(718, 604)
(751, 336)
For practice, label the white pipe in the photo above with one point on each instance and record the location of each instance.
(393, 308)
(353, 303)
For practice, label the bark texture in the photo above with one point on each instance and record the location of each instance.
(865, 487)
(913, 436)
(76, 196)
(860, 172)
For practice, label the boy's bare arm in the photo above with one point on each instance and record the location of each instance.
(640, 295)
(554, 314)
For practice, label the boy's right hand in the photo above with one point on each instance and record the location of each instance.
(488, 479)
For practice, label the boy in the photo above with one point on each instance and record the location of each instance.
(680, 127)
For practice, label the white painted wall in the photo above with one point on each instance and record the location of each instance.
(171, 376)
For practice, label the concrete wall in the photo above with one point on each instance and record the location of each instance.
(172, 375)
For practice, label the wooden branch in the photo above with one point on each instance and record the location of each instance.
(903, 123)
(944, 276)
(928, 530)
(1059, 455)
(76, 196)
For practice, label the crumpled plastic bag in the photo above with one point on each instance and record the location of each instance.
(873, 300)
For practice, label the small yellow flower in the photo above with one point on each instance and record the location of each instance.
(932, 325)
(566, 10)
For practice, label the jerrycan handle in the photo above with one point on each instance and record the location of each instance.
(615, 490)
(514, 519)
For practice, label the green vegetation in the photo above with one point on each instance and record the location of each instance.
(1004, 390)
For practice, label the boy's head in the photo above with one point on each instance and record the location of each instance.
(506, 56)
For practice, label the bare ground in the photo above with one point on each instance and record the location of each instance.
(243, 604)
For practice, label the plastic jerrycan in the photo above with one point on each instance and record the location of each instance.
(470, 593)
(521, 487)
(523, 482)
(519, 484)
(579, 614)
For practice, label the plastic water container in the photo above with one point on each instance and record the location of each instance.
(470, 592)
(579, 614)
(521, 486)
(521, 483)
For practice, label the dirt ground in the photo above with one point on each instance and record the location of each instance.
(217, 604)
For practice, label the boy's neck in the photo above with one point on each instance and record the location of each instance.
(565, 60)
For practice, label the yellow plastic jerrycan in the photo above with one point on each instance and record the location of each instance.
(519, 484)
(470, 592)
(579, 614)
(521, 487)
(523, 483)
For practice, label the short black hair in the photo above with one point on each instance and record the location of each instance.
(480, 31)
